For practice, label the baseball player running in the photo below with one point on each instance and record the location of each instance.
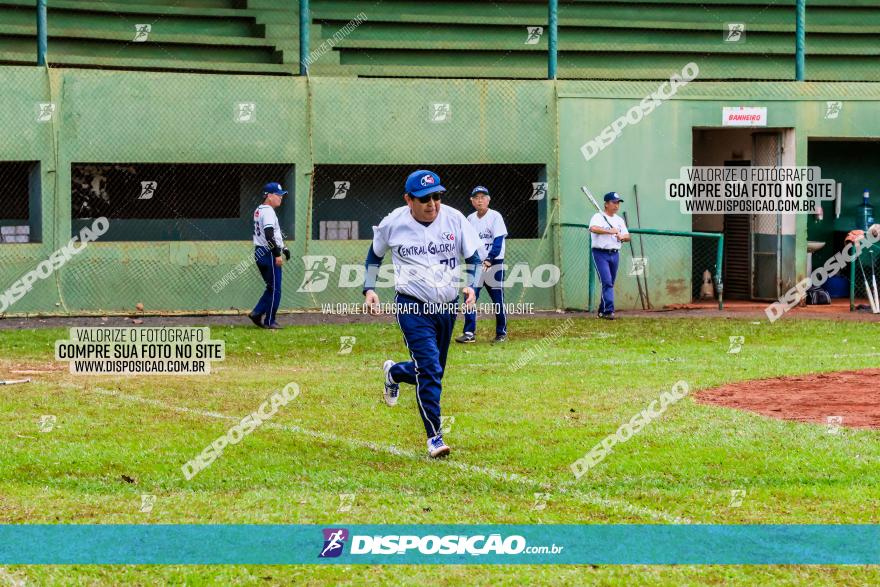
(426, 241)
(492, 231)
(608, 231)
(268, 250)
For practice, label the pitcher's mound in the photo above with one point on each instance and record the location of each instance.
(854, 395)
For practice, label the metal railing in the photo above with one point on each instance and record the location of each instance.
(706, 257)
(552, 25)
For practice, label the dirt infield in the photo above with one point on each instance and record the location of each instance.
(854, 395)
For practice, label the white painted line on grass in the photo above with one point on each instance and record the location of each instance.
(589, 497)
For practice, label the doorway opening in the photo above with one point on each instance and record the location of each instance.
(759, 249)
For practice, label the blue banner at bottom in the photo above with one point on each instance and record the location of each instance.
(440, 544)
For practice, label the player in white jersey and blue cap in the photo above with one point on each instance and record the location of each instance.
(268, 250)
(491, 229)
(607, 234)
(427, 240)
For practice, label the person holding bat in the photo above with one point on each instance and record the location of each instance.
(607, 232)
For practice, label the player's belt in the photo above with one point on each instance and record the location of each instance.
(606, 250)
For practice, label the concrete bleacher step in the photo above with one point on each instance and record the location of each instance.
(665, 15)
(452, 38)
(154, 38)
(272, 30)
(229, 4)
(276, 5)
(482, 38)
(156, 56)
(500, 64)
(209, 35)
(470, 38)
(114, 7)
(67, 60)
(197, 22)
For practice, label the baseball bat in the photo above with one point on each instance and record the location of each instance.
(876, 299)
(837, 200)
(589, 194)
(871, 300)
(14, 381)
(874, 280)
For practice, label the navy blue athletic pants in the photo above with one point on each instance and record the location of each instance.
(426, 334)
(271, 273)
(493, 280)
(606, 264)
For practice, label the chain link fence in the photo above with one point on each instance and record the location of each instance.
(659, 269)
(348, 200)
(156, 177)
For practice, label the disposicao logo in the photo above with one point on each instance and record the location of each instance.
(430, 545)
(334, 542)
(435, 545)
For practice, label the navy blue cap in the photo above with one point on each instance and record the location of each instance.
(422, 183)
(479, 190)
(613, 197)
(275, 188)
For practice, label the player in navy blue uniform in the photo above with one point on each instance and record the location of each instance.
(426, 241)
(268, 250)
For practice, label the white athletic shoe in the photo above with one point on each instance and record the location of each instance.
(392, 390)
(437, 448)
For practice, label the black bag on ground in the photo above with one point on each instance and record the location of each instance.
(816, 296)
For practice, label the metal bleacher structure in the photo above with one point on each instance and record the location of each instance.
(598, 39)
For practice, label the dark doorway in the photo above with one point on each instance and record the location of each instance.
(737, 251)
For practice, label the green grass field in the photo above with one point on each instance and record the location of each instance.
(117, 438)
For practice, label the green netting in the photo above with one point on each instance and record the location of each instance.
(657, 269)
(175, 163)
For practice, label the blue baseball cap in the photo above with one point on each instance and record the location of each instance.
(613, 197)
(275, 188)
(479, 190)
(422, 183)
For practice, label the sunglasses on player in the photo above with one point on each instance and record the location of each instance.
(425, 199)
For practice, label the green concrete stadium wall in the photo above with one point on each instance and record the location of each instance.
(106, 116)
(135, 117)
(656, 148)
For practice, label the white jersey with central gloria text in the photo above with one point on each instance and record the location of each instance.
(488, 228)
(264, 217)
(426, 258)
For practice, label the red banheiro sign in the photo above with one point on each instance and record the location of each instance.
(744, 116)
